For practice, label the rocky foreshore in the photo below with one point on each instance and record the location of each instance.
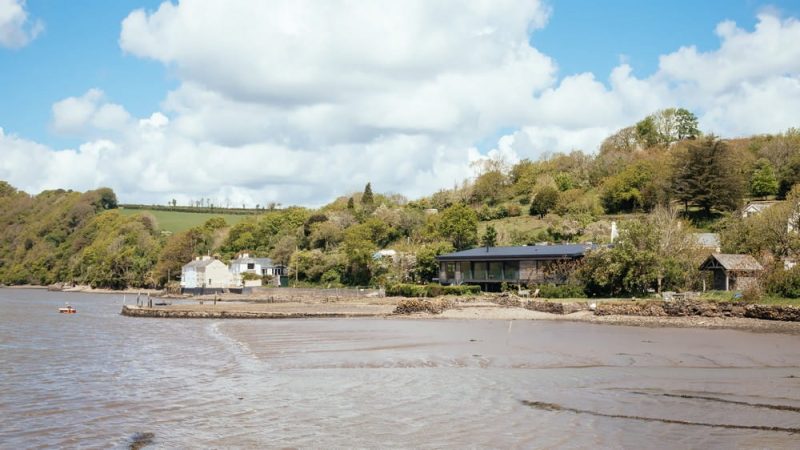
(648, 313)
(700, 309)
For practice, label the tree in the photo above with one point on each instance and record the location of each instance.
(489, 187)
(647, 132)
(427, 267)
(655, 253)
(459, 224)
(790, 175)
(544, 199)
(489, 238)
(763, 182)
(707, 176)
(358, 249)
(686, 124)
(350, 203)
(623, 141)
(367, 198)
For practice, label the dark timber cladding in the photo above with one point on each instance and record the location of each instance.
(488, 266)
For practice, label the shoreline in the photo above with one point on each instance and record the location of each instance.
(297, 310)
(293, 306)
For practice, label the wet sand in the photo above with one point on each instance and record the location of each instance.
(434, 381)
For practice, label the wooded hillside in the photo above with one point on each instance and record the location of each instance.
(661, 165)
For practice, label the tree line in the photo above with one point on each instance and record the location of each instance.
(663, 172)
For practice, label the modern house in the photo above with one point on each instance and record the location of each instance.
(205, 273)
(732, 272)
(244, 263)
(491, 266)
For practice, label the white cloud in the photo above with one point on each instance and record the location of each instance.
(88, 113)
(15, 29)
(750, 84)
(301, 101)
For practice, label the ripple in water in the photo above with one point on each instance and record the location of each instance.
(96, 379)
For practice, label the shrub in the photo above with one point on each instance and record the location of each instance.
(429, 290)
(561, 291)
(784, 283)
(463, 289)
(514, 210)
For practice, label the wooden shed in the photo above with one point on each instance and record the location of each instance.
(732, 272)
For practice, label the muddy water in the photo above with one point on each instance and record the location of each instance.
(97, 379)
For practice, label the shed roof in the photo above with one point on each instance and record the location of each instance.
(743, 263)
(566, 251)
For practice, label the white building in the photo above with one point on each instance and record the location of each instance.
(205, 272)
(256, 266)
(757, 207)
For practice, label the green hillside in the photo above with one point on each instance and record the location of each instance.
(176, 221)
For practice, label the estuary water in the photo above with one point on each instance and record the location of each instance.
(100, 380)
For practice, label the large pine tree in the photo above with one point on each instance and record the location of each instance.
(707, 177)
(366, 198)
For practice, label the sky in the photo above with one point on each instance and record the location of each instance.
(298, 102)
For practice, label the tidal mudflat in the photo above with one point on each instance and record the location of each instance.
(100, 379)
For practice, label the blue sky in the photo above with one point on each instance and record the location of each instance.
(79, 50)
(278, 100)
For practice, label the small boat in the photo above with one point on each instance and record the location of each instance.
(67, 309)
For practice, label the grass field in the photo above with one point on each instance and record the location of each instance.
(175, 221)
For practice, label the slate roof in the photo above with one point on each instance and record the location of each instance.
(263, 262)
(566, 251)
(743, 263)
(199, 264)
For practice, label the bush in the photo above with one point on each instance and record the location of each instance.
(784, 283)
(429, 290)
(561, 291)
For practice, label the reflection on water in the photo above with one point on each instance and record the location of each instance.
(98, 379)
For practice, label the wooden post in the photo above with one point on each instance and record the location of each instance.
(727, 281)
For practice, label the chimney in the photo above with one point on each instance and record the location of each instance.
(614, 232)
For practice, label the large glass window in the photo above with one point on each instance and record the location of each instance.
(495, 271)
(450, 270)
(511, 270)
(466, 271)
(479, 271)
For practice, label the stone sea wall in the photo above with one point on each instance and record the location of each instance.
(698, 308)
(135, 311)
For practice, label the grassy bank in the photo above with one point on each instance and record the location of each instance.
(177, 221)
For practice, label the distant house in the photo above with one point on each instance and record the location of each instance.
(707, 241)
(385, 253)
(732, 272)
(491, 266)
(244, 263)
(205, 272)
(757, 207)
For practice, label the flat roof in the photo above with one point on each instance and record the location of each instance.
(562, 251)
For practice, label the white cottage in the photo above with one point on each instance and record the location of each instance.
(206, 272)
(257, 266)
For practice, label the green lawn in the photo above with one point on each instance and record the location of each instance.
(721, 296)
(174, 221)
